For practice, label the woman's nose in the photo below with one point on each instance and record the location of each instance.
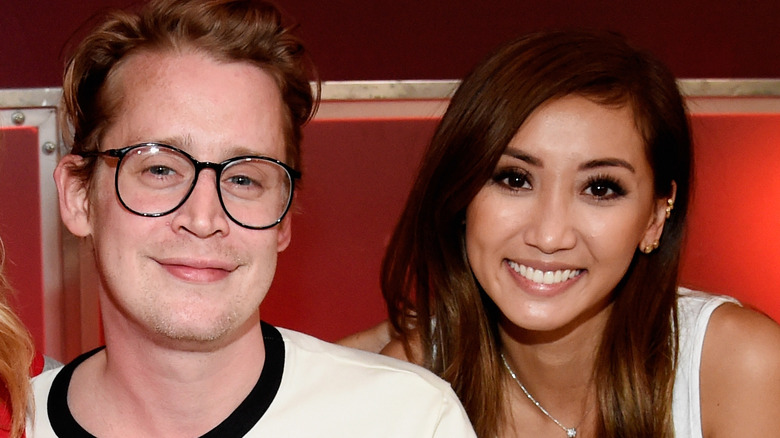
(551, 226)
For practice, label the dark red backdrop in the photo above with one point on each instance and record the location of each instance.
(440, 39)
(357, 174)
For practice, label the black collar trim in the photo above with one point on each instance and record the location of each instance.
(237, 424)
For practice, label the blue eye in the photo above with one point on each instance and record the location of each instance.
(161, 170)
(241, 180)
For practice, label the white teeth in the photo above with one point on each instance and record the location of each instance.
(544, 277)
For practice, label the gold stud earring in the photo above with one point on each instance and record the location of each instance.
(649, 248)
(669, 207)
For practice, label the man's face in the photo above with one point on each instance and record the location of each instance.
(192, 277)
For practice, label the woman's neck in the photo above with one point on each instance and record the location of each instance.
(556, 370)
(564, 357)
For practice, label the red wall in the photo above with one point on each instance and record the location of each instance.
(734, 228)
(358, 173)
(438, 39)
(356, 178)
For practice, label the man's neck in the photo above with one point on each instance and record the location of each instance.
(146, 388)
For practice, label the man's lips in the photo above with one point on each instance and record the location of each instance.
(199, 271)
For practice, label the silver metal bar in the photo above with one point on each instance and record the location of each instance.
(424, 90)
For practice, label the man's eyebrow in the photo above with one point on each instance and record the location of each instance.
(236, 151)
(185, 142)
(179, 141)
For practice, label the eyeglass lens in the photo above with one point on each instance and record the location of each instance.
(154, 181)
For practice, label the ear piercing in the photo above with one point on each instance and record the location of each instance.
(649, 248)
(669, 207)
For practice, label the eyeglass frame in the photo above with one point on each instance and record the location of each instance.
(218, 168)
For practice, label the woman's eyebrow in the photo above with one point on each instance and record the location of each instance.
(588, 165)
(522, 156)
(607, 162)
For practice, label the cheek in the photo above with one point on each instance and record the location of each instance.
(475, 230)
(104, 205)
(488, 229)
(493, 218)
(258, 280)
(613, 235)
(257, 248)
(116, 241)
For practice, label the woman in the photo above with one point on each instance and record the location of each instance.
(16, 355)
(535, 264)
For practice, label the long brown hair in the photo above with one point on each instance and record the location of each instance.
(431, 293)
(16, 353)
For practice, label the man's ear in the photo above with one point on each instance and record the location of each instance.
(662, 209)
(73, 196)
(284, 233)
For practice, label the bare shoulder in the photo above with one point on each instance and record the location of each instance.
(395, 348)
(383, 339)
(373, 339)
(740, 374)
(750, 339)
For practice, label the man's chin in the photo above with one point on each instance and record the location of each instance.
(195, 335)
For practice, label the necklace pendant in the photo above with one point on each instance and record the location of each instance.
(571, 432)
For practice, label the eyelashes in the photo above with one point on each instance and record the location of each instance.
(512, 179)
(605, 187)
(601, 187)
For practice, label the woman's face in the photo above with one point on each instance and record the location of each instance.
(554, 229)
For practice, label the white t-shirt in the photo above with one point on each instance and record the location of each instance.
(308, 388)
(693, 311)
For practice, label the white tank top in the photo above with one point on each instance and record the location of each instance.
(694, 310)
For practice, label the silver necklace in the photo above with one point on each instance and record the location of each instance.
(571, 432)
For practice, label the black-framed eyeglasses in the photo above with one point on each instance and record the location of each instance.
(155, 179)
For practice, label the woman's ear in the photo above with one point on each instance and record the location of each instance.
(73, 196)
(662, 209)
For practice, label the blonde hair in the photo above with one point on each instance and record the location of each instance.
(234, 30)
(16, 354)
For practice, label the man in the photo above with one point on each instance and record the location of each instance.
(186, 122)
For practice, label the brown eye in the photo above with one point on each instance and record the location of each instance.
(513, 179)
(600, 190)
(604, 188)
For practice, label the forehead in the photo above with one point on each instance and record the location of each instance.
(574, 128)
(201, 104)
